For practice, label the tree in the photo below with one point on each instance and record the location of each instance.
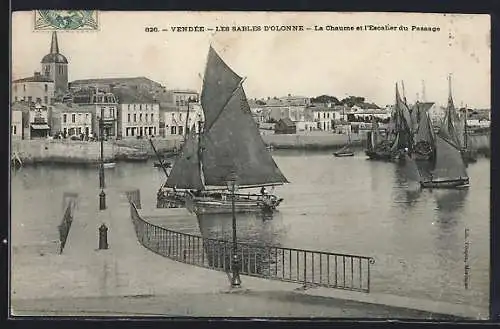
(325, 99)
(259, 102)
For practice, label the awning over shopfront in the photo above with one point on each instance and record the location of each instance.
(40, 126)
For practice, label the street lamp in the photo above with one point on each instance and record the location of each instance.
(102, 195)
(232, 186)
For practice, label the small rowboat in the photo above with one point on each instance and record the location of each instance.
(109, 165)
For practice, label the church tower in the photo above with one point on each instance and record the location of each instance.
(55, 67)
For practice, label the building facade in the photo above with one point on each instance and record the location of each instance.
(181, 119)
(139, 119)
(39, 116)
(76, 121)
(101, 103)
(324, 117)
(35, 89)
(182, 97)
(16, 126)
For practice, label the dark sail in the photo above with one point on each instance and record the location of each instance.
(186, 172)
(449, 164)
(219, 83)
(425, 132)
(404, 112)
(233, 142)
(449, 129)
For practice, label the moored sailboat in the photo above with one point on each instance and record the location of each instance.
(346, 150)
(455, 129)
(399, 137)
(424, 148)
(229, 144)
(449, 168)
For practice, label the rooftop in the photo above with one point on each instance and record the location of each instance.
(37, 77)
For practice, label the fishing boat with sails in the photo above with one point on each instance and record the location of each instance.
(346, 150)
(455, 129)
(399, 136)
(449, 167)
(424, 148)
(229, 145)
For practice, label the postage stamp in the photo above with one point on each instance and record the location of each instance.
(70, 20)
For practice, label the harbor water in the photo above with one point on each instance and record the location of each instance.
(344, 205)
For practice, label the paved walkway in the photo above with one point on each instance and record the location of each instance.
(129, 279)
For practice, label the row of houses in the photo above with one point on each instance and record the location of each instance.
(123, 115)
(315, 116)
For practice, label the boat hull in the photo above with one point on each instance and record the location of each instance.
(446, 184)
(215, 204)
(373, 155)
(109, 165)
(341, 155)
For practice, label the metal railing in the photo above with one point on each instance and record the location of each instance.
(307, 267)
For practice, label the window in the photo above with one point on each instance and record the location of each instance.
(64, 118)
(73, 116)
(135, 117)
(46, 88)
(154, 130)
(45, 100)
(128, 107)
(127, 131)
(180, 116)
(181, 130)
(128, 116)
(152, 115)
(24, 87)
(30, 99)
(140, 117)
(15, 130)
(140, 107)
(173, 130)
(86, 117)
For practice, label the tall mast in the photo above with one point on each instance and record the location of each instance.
(403, 89)
(423, 91)
(465, 126)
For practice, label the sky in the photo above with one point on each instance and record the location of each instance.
(305, 63)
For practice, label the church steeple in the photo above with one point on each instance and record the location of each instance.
(54, 46)
(55, 67)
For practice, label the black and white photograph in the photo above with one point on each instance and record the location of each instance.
(250, 165)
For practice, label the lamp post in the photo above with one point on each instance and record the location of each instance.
(232, 186)
(102, 195)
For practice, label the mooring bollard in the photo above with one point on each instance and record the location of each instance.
(103, 237)
(102, 200)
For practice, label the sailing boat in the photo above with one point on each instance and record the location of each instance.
(449, 167)
(401, 122)
(424, 148)
(455, 130)
(229, 144)
(345, 151)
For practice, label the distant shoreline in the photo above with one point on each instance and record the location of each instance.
(57, 152)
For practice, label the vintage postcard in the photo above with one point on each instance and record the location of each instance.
(250, 164)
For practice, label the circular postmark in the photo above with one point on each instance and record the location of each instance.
(68, 19)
